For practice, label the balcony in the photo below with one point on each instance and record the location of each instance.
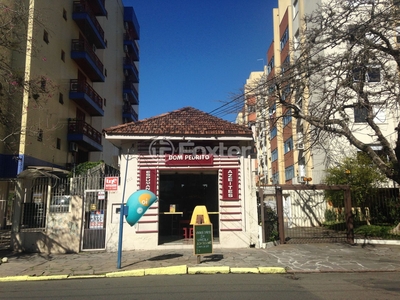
(84, 135)
(86, 97)
(130, 69)
(130, 47)
(131, 94)
(131, 23)
(82, 53)
(88, 24)
(129, 114)
(98, 7)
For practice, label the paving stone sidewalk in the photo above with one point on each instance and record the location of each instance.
(294, 258)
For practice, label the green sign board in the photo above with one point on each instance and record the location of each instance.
(203, 235)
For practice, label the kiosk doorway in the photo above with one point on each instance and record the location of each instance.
(179, 194)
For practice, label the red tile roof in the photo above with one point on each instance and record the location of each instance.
(185, 121)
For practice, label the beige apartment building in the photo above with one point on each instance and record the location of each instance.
(74, 70)
(286, 153)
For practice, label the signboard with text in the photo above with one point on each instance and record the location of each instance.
(230, 184)
(148, 180)
(189, 160)
(203, 239)
(111, 183)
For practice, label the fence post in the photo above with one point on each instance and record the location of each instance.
(349, 216)
(261, 197)
(279, 210)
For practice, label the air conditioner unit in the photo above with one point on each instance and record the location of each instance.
(73, 147)
(126, 49)
(125, 97)
(300, 146)
(300, 179)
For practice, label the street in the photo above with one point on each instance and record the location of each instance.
(368, 285)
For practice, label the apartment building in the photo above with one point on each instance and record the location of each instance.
(292, 156)
(79, 61)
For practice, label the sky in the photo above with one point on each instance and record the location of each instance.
(199, 53)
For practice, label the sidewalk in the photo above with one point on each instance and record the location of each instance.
(288, 258)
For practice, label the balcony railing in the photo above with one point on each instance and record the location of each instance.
(82, 46)
(130, 66)
(129, 113)
(98, 7)
(131, 47)
(79, 127)
(83, 15)
(86, 96)
(130, 88)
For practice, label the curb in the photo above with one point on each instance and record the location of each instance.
(173, 270)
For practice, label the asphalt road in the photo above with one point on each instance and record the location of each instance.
(230, 286)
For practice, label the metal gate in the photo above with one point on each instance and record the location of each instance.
(94, 220)
(303, 212)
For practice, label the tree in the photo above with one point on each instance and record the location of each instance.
(15, 18)
(343, 79)
(361, 174)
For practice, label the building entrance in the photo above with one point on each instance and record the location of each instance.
(179, 194)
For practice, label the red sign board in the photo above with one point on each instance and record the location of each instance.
(148, 180)
(189, 160)
(111, 183)
(230, 184)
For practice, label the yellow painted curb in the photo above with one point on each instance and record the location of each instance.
(176, 270)
(14, 278)
(209, 270)
(271, 270)
(86, 276)
(245, 270)
(130, 273)
(50, 277)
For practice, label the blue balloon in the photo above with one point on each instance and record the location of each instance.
(137, 205)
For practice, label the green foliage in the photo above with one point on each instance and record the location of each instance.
(271, 224)
(374, 231)
(82, 168)
(360, 173)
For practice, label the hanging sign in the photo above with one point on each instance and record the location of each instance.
(230, 184)
(148, 180)
(111, 183)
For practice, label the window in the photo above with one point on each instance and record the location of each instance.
(63, 55)
(362, 2)
(295, 8)
(40, 135)
(275, 178)
(61, 98)
(271, 64)
(288, 146)
(43, 84)
(251, 108)
(272, 110)
(274, 155)
(58, 144)
(284, 38)
(296, 41)
(380, 116)
(289, 173)
(273, 133)
(367, 74)
(360, 114)
(46, 36)
(286, 63)
(287, 118)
